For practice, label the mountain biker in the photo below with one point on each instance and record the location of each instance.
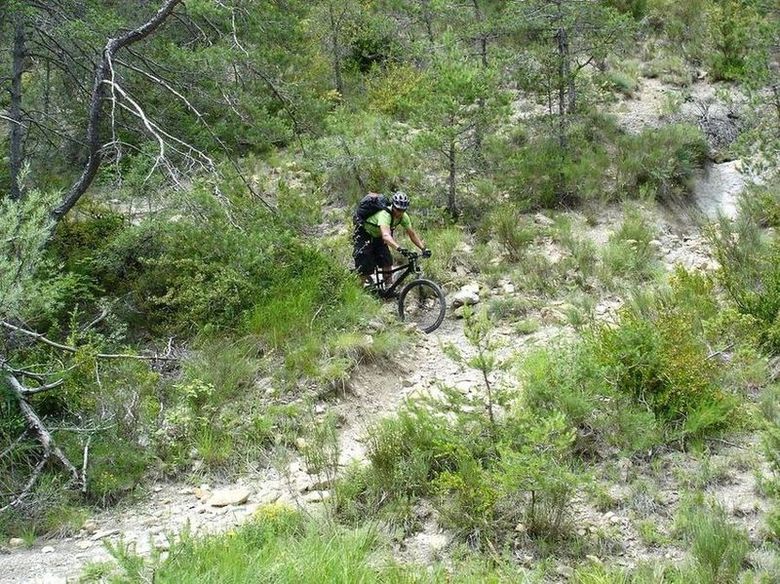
(374, 236)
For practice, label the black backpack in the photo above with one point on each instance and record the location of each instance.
(368, 205)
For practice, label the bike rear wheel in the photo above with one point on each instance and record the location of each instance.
(421, 302)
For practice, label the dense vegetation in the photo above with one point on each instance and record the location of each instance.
(175, 290)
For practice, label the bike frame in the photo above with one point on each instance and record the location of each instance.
(407, 269)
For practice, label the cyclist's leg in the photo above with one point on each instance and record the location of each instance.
(385, 261)
(363, 255)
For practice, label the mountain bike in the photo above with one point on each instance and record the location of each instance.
(420, 301)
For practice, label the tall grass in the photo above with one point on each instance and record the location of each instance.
(282, 546)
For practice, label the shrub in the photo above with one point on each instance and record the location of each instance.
(645, 379)
(668, 68)
(741, 36)
(760, 204)
(449, 254)
(660, 362)
(116, 466)
(623, 82)
(771, 443)
(485, 473)
(718, 547)
(659, 161)
(750, 273)
(570, 379)
(513, 231)
(629, 255)
(542, 175)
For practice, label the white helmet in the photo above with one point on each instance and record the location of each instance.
(400, 200)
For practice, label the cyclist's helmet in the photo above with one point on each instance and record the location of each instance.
(400, 201)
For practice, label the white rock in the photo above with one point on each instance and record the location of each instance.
(317, 496)
(541, 219)
(47, 549)
(15, 542)
(224, 497)
(104, 533)
(466, 296)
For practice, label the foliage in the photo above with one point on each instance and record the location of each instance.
(645, 379)
(280, 544)
(750, 274)
(513, 231)
(25, 227)
(659, 162)
(760, 203)
(486, 474)
(718, 547)
(629, 255)
(771, 443)
(656, 357)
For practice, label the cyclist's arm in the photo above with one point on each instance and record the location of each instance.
(415, 238)
(387, 237)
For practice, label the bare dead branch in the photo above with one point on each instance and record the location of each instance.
(84, 465)
(99, 319)
(163, 83)
(68, 349)
(36, 472)
(41, 433)
(24, 390)
(94, 155)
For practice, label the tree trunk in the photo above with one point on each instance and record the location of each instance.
(482, 45)
(572, 89)
(427, 19)
(16, 137)
(563, 69)
(335, 49)
(452, 206)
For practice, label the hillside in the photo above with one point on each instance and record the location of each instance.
(197, 387)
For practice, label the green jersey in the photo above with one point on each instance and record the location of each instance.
(375, 221)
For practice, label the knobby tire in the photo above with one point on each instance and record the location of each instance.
(426, 305)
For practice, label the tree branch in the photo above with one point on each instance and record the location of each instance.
(68, 349)
(94, 155)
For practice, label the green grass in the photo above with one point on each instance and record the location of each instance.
(281, 545)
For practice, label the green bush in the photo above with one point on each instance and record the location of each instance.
(760, 204)
(623, 82)
(484, 475)
(116, 466)
(49, 511)
(513, 232)
(741, 33)
(718, 547)
(542, 175)
(645, 379)
(750, 274)
(659, 361)
(771, 443)
(659, 161)
(629, 255)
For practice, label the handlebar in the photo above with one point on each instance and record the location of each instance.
(413, 255)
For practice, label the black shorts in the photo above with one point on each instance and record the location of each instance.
(369, 252)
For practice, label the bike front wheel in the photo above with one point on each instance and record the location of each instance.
(422, 303)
